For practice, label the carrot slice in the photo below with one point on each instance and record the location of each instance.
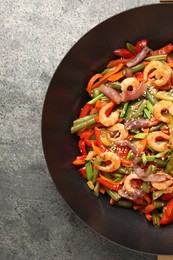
(102, 79)
(116, 76)
(92, 80)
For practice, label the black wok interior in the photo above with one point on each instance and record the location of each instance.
(65, 96)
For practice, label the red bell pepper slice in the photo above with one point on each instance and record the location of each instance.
(98, 139)
(140, 45)
(86, 134)
(167, 216)
(83, 171)
(167, 196)
(169, 59)
(82, 147)
(164, 50)
(85, 110)
(124, 53)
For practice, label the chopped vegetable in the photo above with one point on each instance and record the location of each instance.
(125, 132)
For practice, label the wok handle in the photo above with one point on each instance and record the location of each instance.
(163, 257)
(166, 0)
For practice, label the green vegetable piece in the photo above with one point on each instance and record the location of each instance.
(124, 170)
(94, 100)
(169, 165)
(144, 158)
(83, 123)
(89, 170)
(150, 97)
(150, 158)
(151, 169)
(130, 47)
(161, 154)
(159, 203)
(149, 106)
(140, 110)
(107, 70)
(138, 67)
(113, 194)
(96, 189)
(95, 92)
(147, 113)
(140, 136)
(125, 203)
(146, 185)
(123, 112)
(156, 218)
(116, 85)
(129, 155)
(161, 57)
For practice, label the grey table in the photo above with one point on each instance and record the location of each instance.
(35, 222)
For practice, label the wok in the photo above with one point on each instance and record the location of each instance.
(64, 98)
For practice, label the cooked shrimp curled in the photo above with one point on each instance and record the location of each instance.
(112, 159)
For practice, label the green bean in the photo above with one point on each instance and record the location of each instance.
(149, 96)
(116, 85)
(161, 57)
(151, 169)
(124, 170)
(140, 110)
(124, 203)
(123, 112)
(129, 111)
(96, 189)
(160, 163)
(149, 106)
(94, 100)
(95, 174)
(138, 68)
(146, 185)
(81, 125)
(83, 119)
(118, 179)
(130, 47)
(147, 113)
(113, 194)
(169, 165)
(156, 218)
(118, 175)
(159, 203)
(156, 127)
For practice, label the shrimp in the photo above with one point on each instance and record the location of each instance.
(164, 184)
(122, 133)
(159, 73)
(128, 83)
(152, 141)
(159, 107)
(109, 157)
(135, 192)
(108, 120)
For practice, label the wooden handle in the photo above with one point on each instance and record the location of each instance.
(166, 0)
(162, 257)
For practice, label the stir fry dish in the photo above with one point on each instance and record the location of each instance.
(125, 131)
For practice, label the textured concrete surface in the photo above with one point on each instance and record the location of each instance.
(35, 222)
